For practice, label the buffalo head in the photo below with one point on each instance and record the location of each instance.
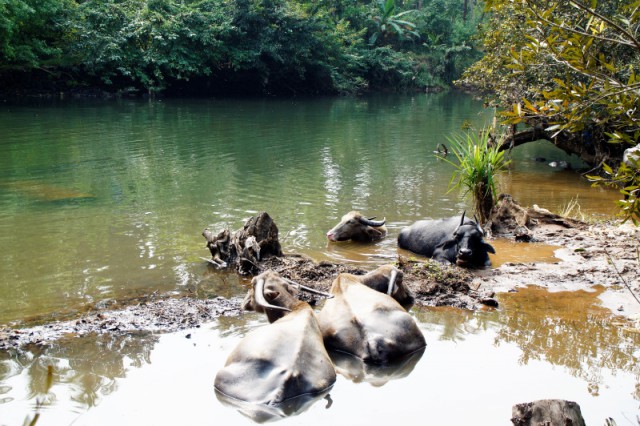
(354, 226)
(465, 247)
(388, 279)
(274, 295)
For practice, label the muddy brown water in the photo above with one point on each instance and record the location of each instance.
(104, 201)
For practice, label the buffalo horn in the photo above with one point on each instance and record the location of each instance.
(371, 222)
(392, 282)
(309, 289)
(478, 227)
(461, 221)
(258, 293)
(475, 218)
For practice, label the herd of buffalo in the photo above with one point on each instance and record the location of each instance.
(279, 369)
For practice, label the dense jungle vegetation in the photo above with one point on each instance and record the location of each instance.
(266, 47)
(565, 71)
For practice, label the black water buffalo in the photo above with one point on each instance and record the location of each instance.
(388, 279)
(367, 324)
(454, 240)
(354, 226)
(280, 361)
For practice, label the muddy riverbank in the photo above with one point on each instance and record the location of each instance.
(604, 254)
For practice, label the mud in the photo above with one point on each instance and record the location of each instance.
(605, 254)
(162, 315)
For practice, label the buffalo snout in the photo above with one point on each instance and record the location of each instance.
(464, 253)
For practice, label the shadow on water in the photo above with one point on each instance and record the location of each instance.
(86, 369)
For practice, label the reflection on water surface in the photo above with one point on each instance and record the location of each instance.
(537, 345)
(104, 200)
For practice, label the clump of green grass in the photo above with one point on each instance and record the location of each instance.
(478, 164)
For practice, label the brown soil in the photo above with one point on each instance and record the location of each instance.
(606, 254)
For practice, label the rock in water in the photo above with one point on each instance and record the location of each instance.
(548, 412)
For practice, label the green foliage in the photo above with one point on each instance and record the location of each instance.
(448, 47)
(478, 165)
(259, 46)
(569, 68)
(389, 25)
(148, 41)
(31, 32)
(627, 179)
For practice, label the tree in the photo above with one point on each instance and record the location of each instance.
(567, 70)
(32, 32)
(389, 24)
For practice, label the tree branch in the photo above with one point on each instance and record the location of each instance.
(608, 21)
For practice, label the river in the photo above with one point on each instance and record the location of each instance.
(103, 200)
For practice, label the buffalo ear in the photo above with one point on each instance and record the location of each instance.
(489, 248)
(247, 303)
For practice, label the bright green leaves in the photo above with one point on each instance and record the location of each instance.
(147, 42)
(389, 25)
(32, 32)
(477, 165)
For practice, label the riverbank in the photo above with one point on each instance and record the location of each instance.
(603, 254)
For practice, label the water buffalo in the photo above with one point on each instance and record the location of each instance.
(367, 324)
(280, 361)
(354, 226)
(388, 279)
(451, 240)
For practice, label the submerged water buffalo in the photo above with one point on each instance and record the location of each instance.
(280, 361)
(453, 240)
(354, 226)
(367, 324)
(388, 279)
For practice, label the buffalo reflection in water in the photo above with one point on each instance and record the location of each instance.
(358, 371)
(264, 413)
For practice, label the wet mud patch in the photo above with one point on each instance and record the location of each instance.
(432, 283)
(164, 315)
(602, 254)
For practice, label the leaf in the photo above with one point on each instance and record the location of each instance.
(530, 106)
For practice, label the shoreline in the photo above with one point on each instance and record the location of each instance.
(584, 262)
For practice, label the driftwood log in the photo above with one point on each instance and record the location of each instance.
(547, 412)
(243, 250)
(508, 218)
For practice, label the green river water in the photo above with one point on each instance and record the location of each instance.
(105, 200)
